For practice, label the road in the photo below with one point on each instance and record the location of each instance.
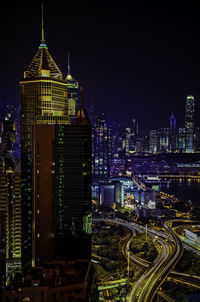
(137, 294)
(170, 253)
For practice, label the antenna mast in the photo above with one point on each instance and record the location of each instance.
(42, 23)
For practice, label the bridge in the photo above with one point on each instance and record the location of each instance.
(112, 284)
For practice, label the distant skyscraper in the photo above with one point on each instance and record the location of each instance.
(172, 134)
(172, 123)
(163, 134)
(181, 139)
(189, 124)
(72, 94)
(43, 101)
(197, 126)
(159, 140)
(154, 141)
(101, 149)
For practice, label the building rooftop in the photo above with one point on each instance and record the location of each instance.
(43, 61)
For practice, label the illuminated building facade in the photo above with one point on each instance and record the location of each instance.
(43, 101)
(153, 144)
(73, 163)
(10, 194)
(172, 134)
(101, 149)
(181, 139)
(61, 191)
(189, 124)
(2, 249)
(163, 135)
(10, 204)
(72, 94)
(197, 126)
(127, 141)
(9, 139)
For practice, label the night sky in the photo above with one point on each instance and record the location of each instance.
(136, 61)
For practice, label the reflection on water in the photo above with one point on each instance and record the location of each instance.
(185, 189)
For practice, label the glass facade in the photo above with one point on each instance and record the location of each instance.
(72, 97)
(73, 220)
(43, 101)
(101, 149)
(189, 124)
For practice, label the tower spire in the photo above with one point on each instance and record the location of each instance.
(42, 40)
(68, 64)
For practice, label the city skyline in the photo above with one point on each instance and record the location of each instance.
(130, 61)
(95, 203)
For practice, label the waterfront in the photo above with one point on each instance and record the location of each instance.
(185, 189)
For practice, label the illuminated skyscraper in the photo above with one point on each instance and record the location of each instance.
(10, 194)
(172, 123)
(10, 204)
(189, 124)
(101, 149)
(154, 141)
(2, 249)
(61, 191)
(9, 138)
(172, 134)
(181, 139)
(72, 94)
(43, 101)
(197, 126)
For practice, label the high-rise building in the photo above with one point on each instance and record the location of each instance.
(10, 194)
(73, 162)
(101, 149)
(72, 94)
(62, 191)
(197, 126)
(153, 141)
(9, 139)
(43, 194)
(163, 134)
(172, 134)
(181, 139)
(189, 124)
(10, 204)
(2, 249)
(43, 101)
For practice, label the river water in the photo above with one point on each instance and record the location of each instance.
(185, 189)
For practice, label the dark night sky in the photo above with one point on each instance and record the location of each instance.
(134, 61)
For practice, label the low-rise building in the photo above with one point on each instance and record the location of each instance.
(193, 235)
(54, 282)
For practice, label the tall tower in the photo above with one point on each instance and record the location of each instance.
(73, 163)
(101, 149)
(72, 94)
(10, 195)
(43, 101)
(172, 123)
(189, 124)
(172, 133)
(197, 127)
(62, 190)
